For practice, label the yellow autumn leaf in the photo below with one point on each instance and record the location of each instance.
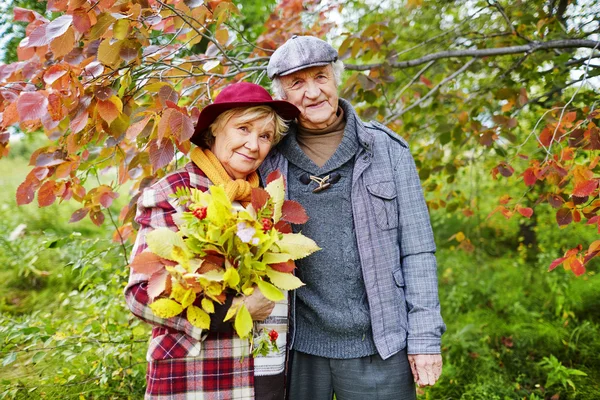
(275, 258)
(297, 245)
(184, 296)
(219, 208)
(108, 54)
(243, 322)
(283, 280)
(208, 306)
(117, 102)
(121, 29)
(198, 317)
(231, 277)
(270, 291)
(231, 312)
(166, 308)
(162, 240)
(276, 190)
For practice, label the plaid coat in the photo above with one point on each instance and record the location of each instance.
(185, 362)
(396, 246)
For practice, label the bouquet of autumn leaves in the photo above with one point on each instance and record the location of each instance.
(220, 249)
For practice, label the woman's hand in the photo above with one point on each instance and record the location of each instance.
(257, 304)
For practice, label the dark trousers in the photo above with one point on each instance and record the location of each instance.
(365, 378)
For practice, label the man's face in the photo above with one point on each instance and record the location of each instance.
(313, 91)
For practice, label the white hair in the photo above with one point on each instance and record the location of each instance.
(336, 66)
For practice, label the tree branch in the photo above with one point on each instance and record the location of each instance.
(528, 48)
(432, 91)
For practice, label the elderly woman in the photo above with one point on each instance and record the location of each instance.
(233, 135)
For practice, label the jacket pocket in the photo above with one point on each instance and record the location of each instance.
(383, 203)
(172, 345)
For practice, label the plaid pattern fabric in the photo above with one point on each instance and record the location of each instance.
(185, 362)
(394, 237)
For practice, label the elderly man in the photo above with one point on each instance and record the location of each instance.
(369, 313)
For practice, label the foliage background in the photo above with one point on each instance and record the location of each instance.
(475, 125)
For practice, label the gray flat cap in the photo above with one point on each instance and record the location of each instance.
(300, 52)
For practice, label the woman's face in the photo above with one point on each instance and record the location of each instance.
(242, 146)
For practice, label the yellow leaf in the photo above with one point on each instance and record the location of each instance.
(62, 45)
(208, 306)
(219, 208)
(231, 312)
(275, 258)
(104, 21)
(460, 237)
(161, 241)
(198, 317)
(222, 36)
(117, 102)
(184, 296)
(297, 245)
(108, 54)
(231, 277)
(166, 308)
(270, 291)
(121, 29)
(276, 190)
(283, 280)
(243, 322)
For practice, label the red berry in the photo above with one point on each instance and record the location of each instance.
(200, 213)
(273, 335)
(267, 223)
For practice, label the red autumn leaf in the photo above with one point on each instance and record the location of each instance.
(136, 128)
(161, 156)
(32, 106)
(283, 227)
(146, 263)
(46, 195)
(214, 258)
(570, 116)
(48, 160)
(104, 92)
(426, 81)
(179, 125)
(273, 176)
(122, 234)
(555, 200)
(78, 215)
(24, 15)
(576, 266)
(293, 212)
(564, 217)
(525, 211)
(97, 217)
(158, 283)
(25, 193)
(81, 21)
(79, 122)
(287, 266)
(529, 177)
(556, 263)
(505, 170)
(168, 93)
(259, 198)
(584, 189)
(504, 199)
(592, 252)
(57, 5)
(108, 110)
(59, 26)
(546, 136)
(107, 198)
(53, 73)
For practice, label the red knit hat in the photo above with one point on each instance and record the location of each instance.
(241, 94)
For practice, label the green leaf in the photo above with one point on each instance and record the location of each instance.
(161, 242)
(9, 359)
(243, 322)
(283, 280)
(166, 308)
(198, 317)
(297, 245)
(270, 291)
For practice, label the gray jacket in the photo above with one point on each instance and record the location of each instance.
(395, 241)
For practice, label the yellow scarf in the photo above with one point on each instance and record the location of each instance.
(238, 189)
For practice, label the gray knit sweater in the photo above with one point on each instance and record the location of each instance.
(332, 314)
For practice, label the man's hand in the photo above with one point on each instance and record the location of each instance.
(258, 305)
(426, 368)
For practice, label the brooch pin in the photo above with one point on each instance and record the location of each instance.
(324, 182)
